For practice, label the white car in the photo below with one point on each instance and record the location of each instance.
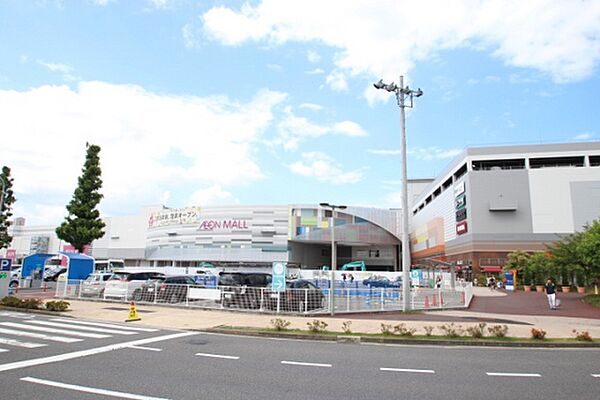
(94, 285)
(122, 283)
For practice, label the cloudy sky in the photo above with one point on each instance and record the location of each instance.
(271, 102)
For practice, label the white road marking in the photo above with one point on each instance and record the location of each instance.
(3, 350)
(103, 325)
(596, 375)
(34, 335)
(91, 352)
(82, 328)
(27, 345)
(87, 389)
(422, 371)
(16, 315)
(513, 374)
(144, 348)
(54, 330)
(306, 364)
(218, 356)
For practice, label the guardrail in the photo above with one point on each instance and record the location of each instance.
(308, 300)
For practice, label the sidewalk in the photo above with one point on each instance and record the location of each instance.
(486, 307)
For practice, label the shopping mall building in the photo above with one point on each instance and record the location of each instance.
(487, 202)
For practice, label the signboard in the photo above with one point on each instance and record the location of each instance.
(510, 285)
(174, 216)
(459, 189)
(461, 214)
(461, 202)
(12, 254)
(278, 282)
(461, 228)
(5, 264)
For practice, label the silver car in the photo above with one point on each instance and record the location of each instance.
(94, 285)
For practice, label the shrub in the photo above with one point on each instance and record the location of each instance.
(402, 330)
(477, 331)
(452, 330)
(57, 305)
(316, 326)
(11, 301)
(346, 326)
(280, 324)
(538, 333)
(387, 329)
(498, 331)
(583, 335)
(592, 299)
(428, 329)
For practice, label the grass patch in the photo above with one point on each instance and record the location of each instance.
(593, 299)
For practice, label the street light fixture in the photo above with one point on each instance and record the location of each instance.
(332, 207)
(404, 98)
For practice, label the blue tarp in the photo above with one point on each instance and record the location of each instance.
(34, 262)
(79, 265)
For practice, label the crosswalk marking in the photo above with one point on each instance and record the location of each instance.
(104, 325)
(27, 345)
(54, 330)
(82, 328)
(3, 350)
(34, 335)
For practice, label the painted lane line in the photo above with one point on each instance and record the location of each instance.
(54, 330)
(306, 364)
(144, 348)
(17, 315)
(87, 389)
(421, 371)
(91, 352)
(596, 375)
(218, 356)
(103, 325)
(3, 350)
(27, 345)
(34, 335)
(512, 374)
(82, 328)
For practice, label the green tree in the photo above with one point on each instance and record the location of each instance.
(588, 248)
(7, 198)
(83, 224)
(565, 257)
(518, 260)
(539, 265)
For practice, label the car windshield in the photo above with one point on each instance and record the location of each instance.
(119, 276)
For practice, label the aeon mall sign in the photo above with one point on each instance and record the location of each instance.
(214, 224)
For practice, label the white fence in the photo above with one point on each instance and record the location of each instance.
(309, 300)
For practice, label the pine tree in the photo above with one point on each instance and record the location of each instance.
(7, 198)
(83, 224)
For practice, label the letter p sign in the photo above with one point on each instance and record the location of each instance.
(5, 264)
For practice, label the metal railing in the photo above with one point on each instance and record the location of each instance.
(313, 300)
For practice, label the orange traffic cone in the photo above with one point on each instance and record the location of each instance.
(133, 314)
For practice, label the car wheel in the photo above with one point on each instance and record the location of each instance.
(137, 295)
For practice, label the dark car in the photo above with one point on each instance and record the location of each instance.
(243, 289)
(300, 295)
(172, 289)
(53, 274)
(382, 282)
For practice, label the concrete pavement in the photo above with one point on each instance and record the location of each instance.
(557, 324)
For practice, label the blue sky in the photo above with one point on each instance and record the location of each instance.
(271, 102)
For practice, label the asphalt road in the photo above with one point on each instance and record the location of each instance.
(192, 365)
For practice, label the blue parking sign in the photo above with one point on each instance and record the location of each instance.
(278, 282)
(5, 264)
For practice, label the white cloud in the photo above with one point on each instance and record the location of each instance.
(432, 153)
(337, 81)
(384, 152)
(212, 195)
(311, 106)
(139, 131)
(64, 69)
(316, 71)
(103, 3)
(583, 136)
(313, 57)
(160, 4)
(324, 168)
(293, 130)
(275, 67)
(560, 38)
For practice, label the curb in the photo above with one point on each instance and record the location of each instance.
(34, 311)
(357, 339)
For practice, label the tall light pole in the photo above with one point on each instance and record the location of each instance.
(332, 207)
(402, 95)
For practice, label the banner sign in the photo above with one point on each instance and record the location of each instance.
(174, 216)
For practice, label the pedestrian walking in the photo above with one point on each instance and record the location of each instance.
(551, 293)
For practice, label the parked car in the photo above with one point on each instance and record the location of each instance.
(172, 289)
(243, 289)
(123, 283)
(94, 285)
(382, 282)
(300, 295)
(52, 274)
